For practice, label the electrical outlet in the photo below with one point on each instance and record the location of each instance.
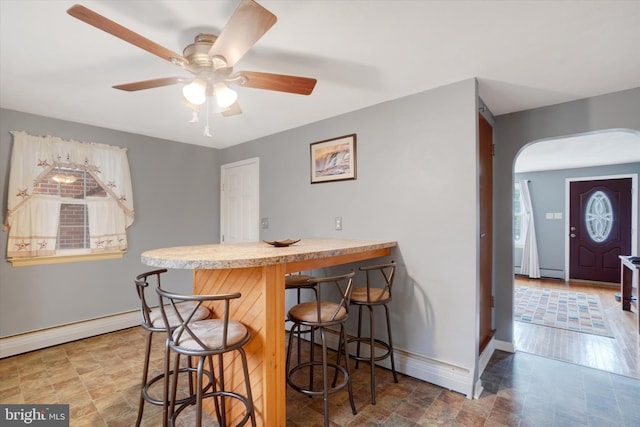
(338, 223)
(264, 223)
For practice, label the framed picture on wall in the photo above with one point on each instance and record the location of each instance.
(333, 159)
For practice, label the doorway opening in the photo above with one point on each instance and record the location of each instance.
(549, 167)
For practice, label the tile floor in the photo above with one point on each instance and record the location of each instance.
(99, 378)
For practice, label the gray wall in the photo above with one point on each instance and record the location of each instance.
(511, 133)
(176, 202)
(416, 183)
(548, 195)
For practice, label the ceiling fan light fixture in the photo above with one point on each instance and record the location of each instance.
(194, 92)
(224, 95)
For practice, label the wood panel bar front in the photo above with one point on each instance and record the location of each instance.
(261, 309)
(257, 271)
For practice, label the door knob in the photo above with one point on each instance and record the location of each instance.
(572, 235)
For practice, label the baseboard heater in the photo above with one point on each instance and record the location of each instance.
(440, 373)
(36, 340)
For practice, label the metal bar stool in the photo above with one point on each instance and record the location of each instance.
(300, 282)
(320, 315)
(370, 297)
(204, 339)
(152, 322)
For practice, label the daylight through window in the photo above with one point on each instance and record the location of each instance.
(519, 218)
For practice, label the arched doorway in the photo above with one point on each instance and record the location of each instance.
(548, 167)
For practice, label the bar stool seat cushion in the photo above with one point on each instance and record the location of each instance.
(308, 312)
(375, 295)
(184, 308)
(211, 333)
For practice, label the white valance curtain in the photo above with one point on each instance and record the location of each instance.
(32, 219)
(530, 265)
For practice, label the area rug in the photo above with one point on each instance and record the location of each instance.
(574, 311)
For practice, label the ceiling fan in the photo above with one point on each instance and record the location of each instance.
(209, 58)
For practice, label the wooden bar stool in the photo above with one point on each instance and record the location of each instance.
(153, 323)
(370, 297)
(203, 339)
(319, 315)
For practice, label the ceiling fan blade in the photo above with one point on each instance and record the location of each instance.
(150, 84)
(232, 110)
(115, 29)
(247, 24)
(278, 82)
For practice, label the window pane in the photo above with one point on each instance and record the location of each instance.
(73, 231)
(69, 183)
(519, 225)
(598, 216)
(73, 186)
(517, 213)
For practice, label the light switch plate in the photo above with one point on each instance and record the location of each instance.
(338, 223)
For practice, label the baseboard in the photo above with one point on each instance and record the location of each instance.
(505, 346)
(544, 274)
(17, 344)
(483, 361)
(486, 356)
(443, 374)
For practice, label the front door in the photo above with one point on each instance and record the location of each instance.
(599, 228)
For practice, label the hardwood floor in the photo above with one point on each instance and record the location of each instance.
(618, 355)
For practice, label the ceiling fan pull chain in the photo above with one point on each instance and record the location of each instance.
(194, 117)
(206, 128)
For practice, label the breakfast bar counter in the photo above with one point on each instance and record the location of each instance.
(257, 271)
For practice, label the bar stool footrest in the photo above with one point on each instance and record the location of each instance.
(159, 377)
(220, 393)
(367, 340)
(305, 390)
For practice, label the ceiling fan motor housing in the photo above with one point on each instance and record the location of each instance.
(197, 53)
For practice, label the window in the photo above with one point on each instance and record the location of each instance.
(599, 217)
(519, 217)
(72, 186)
(67, 198)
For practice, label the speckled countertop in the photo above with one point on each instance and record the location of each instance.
(237, 255)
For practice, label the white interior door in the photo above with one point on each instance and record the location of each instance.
(240, 201)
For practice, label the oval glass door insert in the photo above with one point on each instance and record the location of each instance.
(598, 216)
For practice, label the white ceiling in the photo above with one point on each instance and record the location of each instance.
(525, 54)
